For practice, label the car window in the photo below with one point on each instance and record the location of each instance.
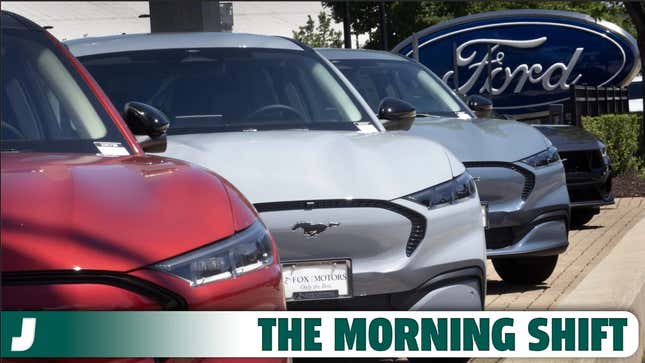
(377, 79)
(45, 105)
(224, 89)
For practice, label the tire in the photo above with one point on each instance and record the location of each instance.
(525, 270)
(581, 217)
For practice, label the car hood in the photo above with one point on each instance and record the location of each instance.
(274, 166)
(570, 138)
(65, 211)
(482, 139)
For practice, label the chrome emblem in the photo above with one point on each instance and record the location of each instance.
(312, 230)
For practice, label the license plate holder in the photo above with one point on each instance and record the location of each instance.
(317, 280)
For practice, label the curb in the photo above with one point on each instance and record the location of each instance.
(616, 283)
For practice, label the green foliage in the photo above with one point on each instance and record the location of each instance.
(621, 135)
(322, 35)
(404, 18)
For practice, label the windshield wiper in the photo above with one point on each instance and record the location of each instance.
(425, 114)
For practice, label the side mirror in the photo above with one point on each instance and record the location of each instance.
(396, 114)
(481, 106)
(143, 119)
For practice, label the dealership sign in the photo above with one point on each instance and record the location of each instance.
(532, 56)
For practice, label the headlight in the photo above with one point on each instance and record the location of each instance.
(246, 251)
(603, 152)
(452, 191)
(543, 158)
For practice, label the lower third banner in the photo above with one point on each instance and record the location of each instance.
(83, 334)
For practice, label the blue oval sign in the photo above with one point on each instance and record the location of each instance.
(532, 56)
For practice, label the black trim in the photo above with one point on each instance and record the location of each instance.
(529, 177)
(418, 220)
(167, 299)
(28, 24)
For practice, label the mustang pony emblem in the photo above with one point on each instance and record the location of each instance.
(313, 229)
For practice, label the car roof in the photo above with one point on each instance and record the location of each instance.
(9, 20)
(345, 54)
(152, 41)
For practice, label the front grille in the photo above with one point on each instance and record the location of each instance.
(529, 178)
(581, 161)
(418, 221)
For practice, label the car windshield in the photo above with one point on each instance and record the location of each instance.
(46, 106)
(377, 79)
(230, 89)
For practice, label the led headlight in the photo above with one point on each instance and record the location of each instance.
(450, 192)
(243, 252)
(543, 158)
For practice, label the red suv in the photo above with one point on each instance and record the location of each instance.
(89, 222)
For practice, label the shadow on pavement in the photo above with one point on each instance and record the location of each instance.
(585, 227)
(496, 287)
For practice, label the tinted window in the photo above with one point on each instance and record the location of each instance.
(225, 89)
(377, 79)
(45, 105)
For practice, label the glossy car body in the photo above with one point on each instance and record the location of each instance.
(84, 230)
(587, 167)
(332, 186)
(528, 206)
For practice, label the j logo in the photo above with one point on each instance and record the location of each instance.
(26, 338)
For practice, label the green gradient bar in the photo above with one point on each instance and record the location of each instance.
(124, 334)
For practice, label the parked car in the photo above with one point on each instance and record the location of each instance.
(89, 222)
(518, 173)
(363, 218)
(587, 167)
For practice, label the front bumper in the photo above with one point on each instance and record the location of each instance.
(461, 289)
(589, 178)
(375, 236)
(528, 208)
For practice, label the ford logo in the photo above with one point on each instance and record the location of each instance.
(533, 56)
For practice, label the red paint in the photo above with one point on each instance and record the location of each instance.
(106, 213)
(67, 211)
(243, 211)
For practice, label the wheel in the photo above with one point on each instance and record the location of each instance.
(525, 270)
(582, 216)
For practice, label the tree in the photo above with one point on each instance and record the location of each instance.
(404, 18)
(636, 11)
(321, 35)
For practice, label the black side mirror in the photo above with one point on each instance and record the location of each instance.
(481, 106)
(396, 114)
(143, 119)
